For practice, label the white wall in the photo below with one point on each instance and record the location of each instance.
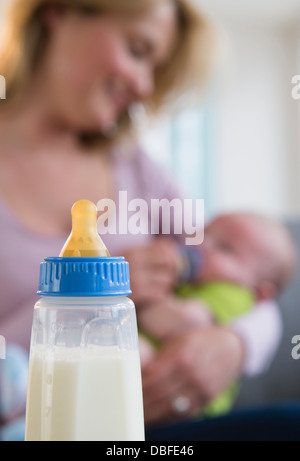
(257, 147)
(256, 124)
(257, 142)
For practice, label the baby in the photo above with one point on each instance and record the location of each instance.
(246, 257)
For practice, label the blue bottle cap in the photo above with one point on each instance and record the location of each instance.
(99, 276)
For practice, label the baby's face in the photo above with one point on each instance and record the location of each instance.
(234, 247)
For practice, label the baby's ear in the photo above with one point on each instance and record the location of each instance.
(266, 290)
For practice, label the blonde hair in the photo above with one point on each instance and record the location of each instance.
(25, 37)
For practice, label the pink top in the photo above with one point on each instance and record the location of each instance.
(22, 251)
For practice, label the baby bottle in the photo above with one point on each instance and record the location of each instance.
(84, 374)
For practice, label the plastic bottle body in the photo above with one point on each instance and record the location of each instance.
(84, 374)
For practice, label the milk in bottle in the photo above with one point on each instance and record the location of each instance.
(84, 376)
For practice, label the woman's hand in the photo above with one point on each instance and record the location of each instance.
(172, 316)
(153, 270)
(190, 371)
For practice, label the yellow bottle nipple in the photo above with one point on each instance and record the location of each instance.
(84, 240)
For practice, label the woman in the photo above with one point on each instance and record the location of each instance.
(74, 71)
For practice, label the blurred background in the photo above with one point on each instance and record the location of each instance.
(245, 141)
(240, 149)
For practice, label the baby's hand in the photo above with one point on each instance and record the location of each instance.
(174, 315)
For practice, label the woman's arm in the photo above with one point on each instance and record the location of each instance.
(199, 364)
(195, 366)
(172, 316)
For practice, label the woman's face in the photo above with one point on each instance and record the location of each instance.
(95, 67)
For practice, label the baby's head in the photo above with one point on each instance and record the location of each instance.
(251, 250)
